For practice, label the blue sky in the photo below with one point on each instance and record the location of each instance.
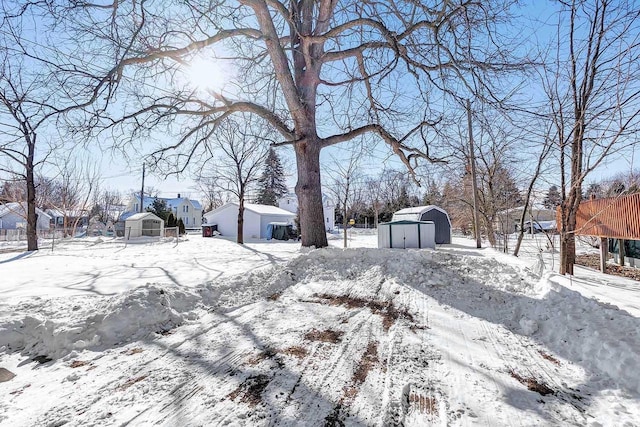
(117, 174)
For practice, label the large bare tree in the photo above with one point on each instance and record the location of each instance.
(75, 184)
(594, 93)
(20, 121)
(43, 76)
(319, 72)
(238, 151)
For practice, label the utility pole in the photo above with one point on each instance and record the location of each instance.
(474, 184)
(142, 189)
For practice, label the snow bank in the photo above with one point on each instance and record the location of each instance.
(602, 339)
(245, 289)
(57, 326)
(598, 336)
(54, 327)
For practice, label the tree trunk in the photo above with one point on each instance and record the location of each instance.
(516, 250)
(568, 235)
(344, 228)
(240, 237)
(567, 252)
(491, 234)
(32, 218)
(309, 192)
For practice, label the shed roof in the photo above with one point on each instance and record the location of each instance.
(267, 209)
(143, 216)
(405, 222)
(259, 209)
(419, 210)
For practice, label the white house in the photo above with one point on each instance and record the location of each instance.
(14, 216)
(290, 203)
(190, 211)
(507, 221)
(58, 216)
(256, 219)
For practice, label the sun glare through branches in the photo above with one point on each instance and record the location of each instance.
(207, 74)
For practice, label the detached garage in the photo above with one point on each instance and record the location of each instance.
(406, 234)
(143, 224)
(256, 219)
(437, 215)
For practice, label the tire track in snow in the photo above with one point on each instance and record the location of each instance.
(214, 360)
(483, 393)
(329, 370)
(518, 358)
(411, 392)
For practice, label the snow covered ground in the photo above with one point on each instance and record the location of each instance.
(207, 332)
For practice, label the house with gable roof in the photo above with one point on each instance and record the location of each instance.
(189, 210)
(13, 216)
(289, 202)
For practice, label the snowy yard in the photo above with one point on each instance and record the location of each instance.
(207, 332)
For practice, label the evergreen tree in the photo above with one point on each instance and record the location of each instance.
(272, 185)
(96, 210)
(403, 200)
(171, 220)
(595, 190)
(617, 188)
(553, 198)
(505, 189)
(181, 228)
(160, 209)
(432, 195)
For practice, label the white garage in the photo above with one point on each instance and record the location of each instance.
(407, 234)
(143, 224)
(256, 219)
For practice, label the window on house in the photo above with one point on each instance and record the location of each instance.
(186, 220)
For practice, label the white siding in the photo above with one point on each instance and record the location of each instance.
(227, 220)
(329, 212)
(251, 225)
(255, 225)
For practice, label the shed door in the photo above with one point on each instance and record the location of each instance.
(404, 236)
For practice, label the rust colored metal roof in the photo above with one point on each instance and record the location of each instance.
(617, 217)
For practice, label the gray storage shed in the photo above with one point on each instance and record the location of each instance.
(439, 216)
(406, 234)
